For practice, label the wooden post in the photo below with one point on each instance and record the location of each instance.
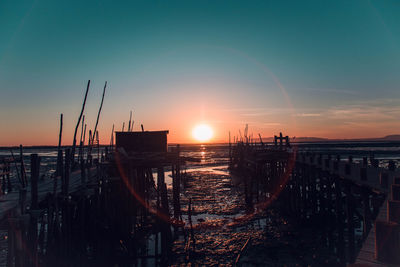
(164, 199)
(387, 243)
(23, 172)
(304, 193)
(327, 163)
(160, 183)
(367, 212)
(329, 199)
(363, 174)
(60, 171)
(80, 152)
(35, 168)
(392, 165)
(314, 199)
(129, 124)
(339, 219)
(60, 133)
(365, 161)
(79, 120)
(8, 173)
(59, 156)
(33, 231)
(336, 163)
(347, 169)
(350, 159)
(175, 192)
(83, 171)
(112, 138)
(82, 128)
(16, 166)
(89, 155)
(83, 143)
(67, 169)
(395, 191)
(393, 214)
(13, 225)
(3, 180)
(350, 220)
(98, 146)
(98, 114)
(383, 177)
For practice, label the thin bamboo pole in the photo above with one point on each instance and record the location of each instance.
(98, 114)
(112, 138)
(130, 119)
(79, 120)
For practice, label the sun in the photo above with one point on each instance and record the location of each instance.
(202, 133)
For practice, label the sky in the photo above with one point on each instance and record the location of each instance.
(305, 68)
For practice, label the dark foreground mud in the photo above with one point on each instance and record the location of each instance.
(223, 233)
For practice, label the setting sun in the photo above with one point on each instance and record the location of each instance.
(202, 132)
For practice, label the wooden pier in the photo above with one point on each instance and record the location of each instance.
(111, 203)
(338, 195)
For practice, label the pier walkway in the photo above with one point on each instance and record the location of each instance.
(376, 178)
(359, 202)
(10, 201)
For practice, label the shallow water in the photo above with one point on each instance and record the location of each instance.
(222, 227)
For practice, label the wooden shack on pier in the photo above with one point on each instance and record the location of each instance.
(148, 141)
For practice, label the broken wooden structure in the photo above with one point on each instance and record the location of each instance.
(340, 196)
(99, 214)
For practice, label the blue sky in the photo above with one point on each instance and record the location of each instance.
(315, 68)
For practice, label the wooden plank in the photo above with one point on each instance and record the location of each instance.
(10, 201)
(367, 252)
(370, 263)
(373, 174)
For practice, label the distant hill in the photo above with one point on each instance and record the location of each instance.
(393, 137)
(310, 139)
(299, 139)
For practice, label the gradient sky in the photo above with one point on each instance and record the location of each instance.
(306, 68)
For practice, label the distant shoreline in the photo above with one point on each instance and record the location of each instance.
(324, 142)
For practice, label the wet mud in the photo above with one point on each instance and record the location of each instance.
(223, 233)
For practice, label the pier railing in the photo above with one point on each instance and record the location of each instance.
(339, 195)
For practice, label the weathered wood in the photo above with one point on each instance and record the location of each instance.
(394, 211)
(60, 133)
(35, 169)
(80, 152)
(16, 167)
(23, 171)
(98, 113)
(129, 124)
(367, 212)
(79, 120)
(112, 138)
(67, 171)
(387, 244)
(82, 127)
(395, 192)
